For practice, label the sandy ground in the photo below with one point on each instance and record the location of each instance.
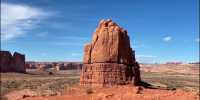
(171, 68)
(122, 93)
(183, 77)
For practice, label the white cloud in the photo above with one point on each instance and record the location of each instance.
(167, 38)
(16, 19)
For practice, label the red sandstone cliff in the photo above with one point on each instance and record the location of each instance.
(109, 59)
(9, 63)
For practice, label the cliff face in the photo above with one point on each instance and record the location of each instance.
(19, 62)
(9, 63)
(5, 61)
(109, 59)
(110, 44)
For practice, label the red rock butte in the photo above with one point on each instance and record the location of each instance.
(9, 63)
(109, 60)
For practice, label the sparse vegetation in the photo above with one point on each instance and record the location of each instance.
(172, 81)
(45, 84)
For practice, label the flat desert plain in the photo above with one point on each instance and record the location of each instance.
(165, 82)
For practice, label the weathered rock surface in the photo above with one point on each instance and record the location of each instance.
(110, 43)
(19, 62)
(9, 63)
(109, 59)
(104, 74)
(5, 61)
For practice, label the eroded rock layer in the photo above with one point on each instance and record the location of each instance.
(103, 74)
(110, 43)
(109, 59)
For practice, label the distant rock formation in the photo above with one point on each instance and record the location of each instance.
(71, 65)
(56, 65)
(9, 63)
(109, 59)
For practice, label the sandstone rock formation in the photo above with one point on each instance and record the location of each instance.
(9, 63)
(19, 62)
(5, 61)
(109, 59)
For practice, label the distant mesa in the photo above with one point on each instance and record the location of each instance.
(109, 60)
(9, 63)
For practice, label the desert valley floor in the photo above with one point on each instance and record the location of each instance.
(168, 82)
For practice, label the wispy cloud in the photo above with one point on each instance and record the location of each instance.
(16, 19)
(167, 38)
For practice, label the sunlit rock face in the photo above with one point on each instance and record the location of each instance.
(109, 60)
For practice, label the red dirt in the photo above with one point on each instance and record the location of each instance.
(122, 93)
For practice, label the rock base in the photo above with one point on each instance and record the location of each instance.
(105, 74)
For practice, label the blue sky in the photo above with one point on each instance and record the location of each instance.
(56, 30)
